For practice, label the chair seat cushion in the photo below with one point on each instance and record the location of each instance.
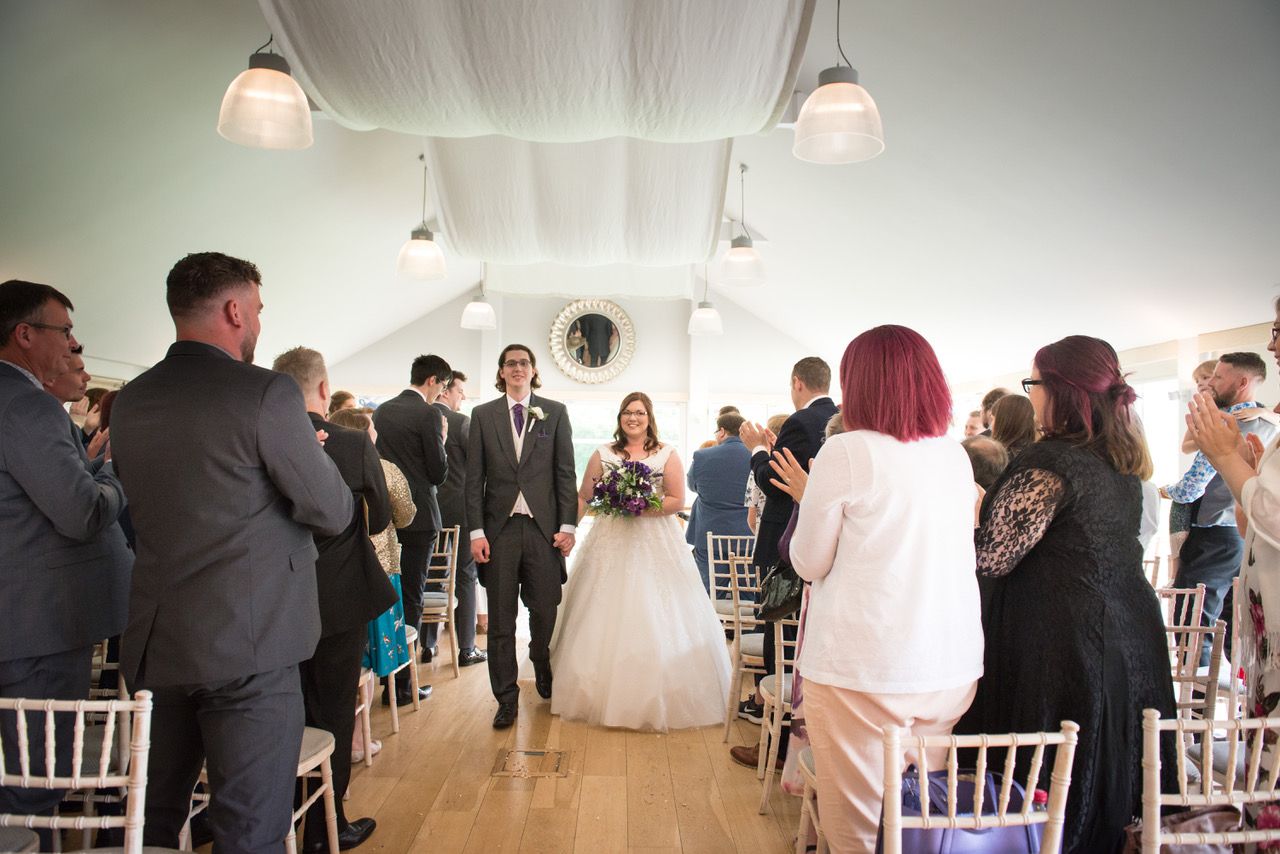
(769, 687)
(725, 608)
(806, 759)
(1194, 753)
(316, 744)
(752, 644)
(19, 839)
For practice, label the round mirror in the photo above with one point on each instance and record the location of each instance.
(592, 340)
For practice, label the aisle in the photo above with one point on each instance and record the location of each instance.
(431, 788)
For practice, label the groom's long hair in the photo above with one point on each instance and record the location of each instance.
(651, 442)
(501, 384)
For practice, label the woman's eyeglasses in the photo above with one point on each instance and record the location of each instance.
(1028, 383)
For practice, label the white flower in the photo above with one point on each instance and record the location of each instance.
(536, 413)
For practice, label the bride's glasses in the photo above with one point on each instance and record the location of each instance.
(634, 413)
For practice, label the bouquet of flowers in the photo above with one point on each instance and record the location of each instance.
(625, 489)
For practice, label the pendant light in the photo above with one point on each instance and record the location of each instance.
(421, 257)
(839, 122)
(265, 107)
(705, 320)
(479, 314)
(742, 264)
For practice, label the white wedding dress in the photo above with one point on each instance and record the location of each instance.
(638, 643)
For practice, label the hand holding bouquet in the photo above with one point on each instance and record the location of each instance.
(625, 489)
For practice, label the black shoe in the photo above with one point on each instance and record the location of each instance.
(405, 698)
(749, 711)
(356, 832)
(472, 656)
(506, 715)
(429, 652)
(542, 679)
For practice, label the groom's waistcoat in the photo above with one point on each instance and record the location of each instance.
(543, 472)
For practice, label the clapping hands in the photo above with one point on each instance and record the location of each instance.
(794, 478)
(754, 435)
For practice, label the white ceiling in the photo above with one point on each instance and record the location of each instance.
(1097, 167)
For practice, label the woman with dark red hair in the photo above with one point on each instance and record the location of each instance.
(893, 632)
(1073, 629)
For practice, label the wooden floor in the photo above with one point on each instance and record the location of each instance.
(431, 788)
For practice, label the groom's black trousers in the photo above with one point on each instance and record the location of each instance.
(523, 567)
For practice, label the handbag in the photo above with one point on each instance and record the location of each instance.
(780, 593)
(1220, 819)
(946, 840)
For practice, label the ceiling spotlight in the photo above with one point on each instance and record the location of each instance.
(839, 122)
(265, 107)
(421, 257)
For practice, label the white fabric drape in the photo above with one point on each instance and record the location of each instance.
(615, 280)
(547, 70)
(581, 204)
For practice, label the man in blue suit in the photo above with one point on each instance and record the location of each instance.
(717, 474)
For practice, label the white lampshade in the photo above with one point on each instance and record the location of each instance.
(266, 108)
(421, 257)
(479, 315)
(742, 264)
(839, 122)
(705, 320)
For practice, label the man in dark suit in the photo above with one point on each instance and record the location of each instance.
(801, 434)
(453, 511)
(717, 475)
(64, 566)
(411, 434)
(352, 588)
(226, 482)
(522, 505)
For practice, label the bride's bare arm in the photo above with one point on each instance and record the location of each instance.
(594, 470)
(673, 486)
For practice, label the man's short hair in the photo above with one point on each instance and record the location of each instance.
(814, 373)
(1247, 363)
(304, 365)
(457, 377)
(428, 366)
(988, 457)
(201, 277)
(977, 413)
(730, 422)
(725, 410)
(22, 302)
(992, 397)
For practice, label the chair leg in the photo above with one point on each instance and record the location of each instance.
(291, 841)
(775, 737)
(453, 642)
(395, 712)
(802, 833)
(366, 719)
(413, 674)
(766, 728)
(735, 694)
(330, 808)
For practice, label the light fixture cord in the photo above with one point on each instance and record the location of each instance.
(838, 47)
(706, 282)
(742, 197)
(482, 272)
(269, 42)
(423, 158)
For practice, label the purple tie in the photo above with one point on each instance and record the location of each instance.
(517, 414)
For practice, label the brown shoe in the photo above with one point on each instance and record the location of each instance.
(747, 755)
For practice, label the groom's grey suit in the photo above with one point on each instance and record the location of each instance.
(523, 564)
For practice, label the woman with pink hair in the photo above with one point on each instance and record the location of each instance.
(1073, 630)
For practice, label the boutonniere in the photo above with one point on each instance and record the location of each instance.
(536, 414)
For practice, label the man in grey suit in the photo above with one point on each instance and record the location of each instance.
(411, 434)
(451, 496)
(64, 566)
(522, 505)
(717, 474)
(226, 481)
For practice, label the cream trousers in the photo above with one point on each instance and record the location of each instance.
(846, 735)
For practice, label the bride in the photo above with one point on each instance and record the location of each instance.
(638, 644)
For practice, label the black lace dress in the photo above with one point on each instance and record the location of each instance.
(1073, 629)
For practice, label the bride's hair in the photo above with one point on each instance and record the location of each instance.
(651, 442)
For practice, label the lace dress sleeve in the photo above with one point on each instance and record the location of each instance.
(1020, 513)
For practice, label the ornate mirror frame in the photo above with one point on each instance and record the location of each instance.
(573, 369)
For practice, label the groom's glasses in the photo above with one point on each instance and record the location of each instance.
(516, 363)
(634, 413)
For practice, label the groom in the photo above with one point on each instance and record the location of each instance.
(522, 506)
